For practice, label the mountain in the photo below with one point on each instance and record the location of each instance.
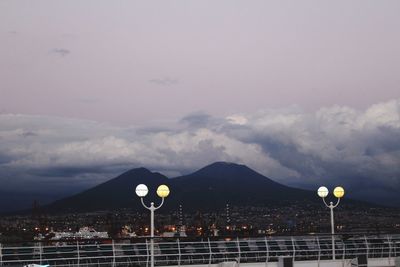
(209, 188)
(113, 194)
(220, 183)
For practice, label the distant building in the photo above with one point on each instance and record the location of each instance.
(83, 233)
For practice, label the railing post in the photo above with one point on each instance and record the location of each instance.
(209, 249)
(390, 249)
(344, 251)
(319, 250)
(294, 249)
(40, 252)
(77, 249)
(366, 245)
(148, 254)
(267, 248)
(240, 252)
(1, 254)
(179, 251)
(113, 250)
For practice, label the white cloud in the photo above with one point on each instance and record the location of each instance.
(334, 145)
(237, 119)
(66, 143)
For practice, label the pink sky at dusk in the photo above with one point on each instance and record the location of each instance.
(140, 62)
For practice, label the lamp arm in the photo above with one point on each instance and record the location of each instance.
(337, 203)
(323, 199)
(162, 202)
(144, 205)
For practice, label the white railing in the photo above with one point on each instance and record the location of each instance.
(184, 252)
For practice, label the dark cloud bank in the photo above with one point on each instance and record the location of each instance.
(337, 145)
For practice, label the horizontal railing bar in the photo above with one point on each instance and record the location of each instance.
(249, 250)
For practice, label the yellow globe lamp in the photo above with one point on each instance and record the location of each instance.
(338, 192)
(323, 191)
(163, 191)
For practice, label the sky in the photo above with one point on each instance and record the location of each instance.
(305, 92)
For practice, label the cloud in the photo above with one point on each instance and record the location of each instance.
(69, 148)
(61, 51)
(237, 119)
(197, 120)
(334, 145)
(164, 81)
(28, 134)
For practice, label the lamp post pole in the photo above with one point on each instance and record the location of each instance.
(331, 207)
(163, 192)
(338, 192)
(152, 209)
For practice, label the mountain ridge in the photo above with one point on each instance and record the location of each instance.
(114, 193)
(207, 189)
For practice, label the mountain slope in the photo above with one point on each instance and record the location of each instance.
(115, 193)
(215, 185)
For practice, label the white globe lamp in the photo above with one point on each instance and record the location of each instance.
(141, 190)
(323, 192)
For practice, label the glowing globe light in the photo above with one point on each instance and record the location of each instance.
(338, 192)
(141, 190)
(163, 191)
(323, 191)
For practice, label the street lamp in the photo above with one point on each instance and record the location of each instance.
(338, 192)
(163, 192)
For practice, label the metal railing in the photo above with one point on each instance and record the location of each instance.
(180, 252)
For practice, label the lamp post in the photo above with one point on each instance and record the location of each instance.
(338, 192)
(163, 192)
